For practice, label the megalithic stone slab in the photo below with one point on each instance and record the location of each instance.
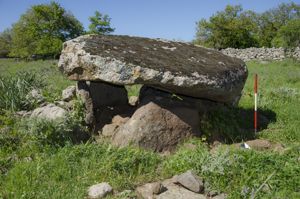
(177, 67)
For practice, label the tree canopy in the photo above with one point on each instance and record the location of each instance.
(100, 24)
(42, 30)
(5, 42)
(237, 28)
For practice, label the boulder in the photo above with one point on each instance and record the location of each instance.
(153, 127)
(50, 112)
(99, 190)
(109, 130)
(149, 190)
(177, 67)
(69, 93)
(178, 192)
(191, 181)
(83, 91)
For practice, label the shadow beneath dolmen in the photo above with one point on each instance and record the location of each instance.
(210, 120)
(234, 124)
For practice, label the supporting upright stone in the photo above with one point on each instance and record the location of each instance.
(83, 91)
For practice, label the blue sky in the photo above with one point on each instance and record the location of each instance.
(169, 19)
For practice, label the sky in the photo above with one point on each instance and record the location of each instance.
(168, 19)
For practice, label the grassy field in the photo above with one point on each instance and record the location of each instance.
(37, 159)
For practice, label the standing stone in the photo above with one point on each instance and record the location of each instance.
(177, 67)
(83, 91)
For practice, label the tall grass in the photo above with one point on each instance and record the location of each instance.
(14, 90)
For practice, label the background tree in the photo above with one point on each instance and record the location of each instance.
(288, 35)
(42, 30)
(271, 21)
(236, 28)
(229, 28)
(100, 24)
(5, 42)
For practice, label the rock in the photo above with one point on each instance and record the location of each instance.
(69, 93)
(83, 92)
(133, 100)
(50, 112)
(152, 127)
(35, 96)
(177, 67)
(99, 190)
(191, 181)
(109, 130)
(178, 192)
(119, 120)
(148, 191)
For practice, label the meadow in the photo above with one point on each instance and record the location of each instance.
(38, 159)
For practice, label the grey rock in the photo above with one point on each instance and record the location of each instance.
(35, 96)
(83, 92)
(69, 93)
(133, 100)
(178, 192)
(191, 181)
(99, 190)
(149, 190)
(177, 67)
(262, 54)
(50, 112)
(153, 127)
(109, 130)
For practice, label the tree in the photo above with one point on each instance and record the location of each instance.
(42, 30)
(288, 35)
(100, 24)
(229, 28)
(5, 42)
(271, 21)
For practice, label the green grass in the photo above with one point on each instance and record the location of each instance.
(46, 70)
(279, 92)
(58, 168)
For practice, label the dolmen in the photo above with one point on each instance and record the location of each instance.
(179, 82)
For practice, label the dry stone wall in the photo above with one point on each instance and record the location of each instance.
(248, 54)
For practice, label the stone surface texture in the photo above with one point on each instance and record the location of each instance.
(99, 190)
(153, 127)
(190, 181)
(149, 190)
(69, 93)
(50, 112)
(173, 66)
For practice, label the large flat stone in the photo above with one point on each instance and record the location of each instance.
(176, 67)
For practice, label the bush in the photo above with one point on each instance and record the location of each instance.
(14, 89)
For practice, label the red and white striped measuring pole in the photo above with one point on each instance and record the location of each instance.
(255, 102)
